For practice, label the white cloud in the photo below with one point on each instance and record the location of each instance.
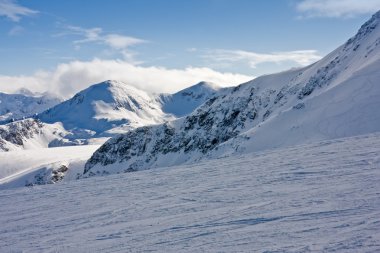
(71, 77)
(116, 42)
(301, 57)
(120, 42)
(337, 8)
(14, 11)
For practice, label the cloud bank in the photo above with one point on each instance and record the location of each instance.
(337, 8)
(69, 78)
(14, 11)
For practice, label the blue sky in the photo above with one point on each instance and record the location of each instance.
(165, 45)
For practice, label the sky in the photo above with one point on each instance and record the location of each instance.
(166, 45)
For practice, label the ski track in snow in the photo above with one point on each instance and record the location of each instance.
(321, 197)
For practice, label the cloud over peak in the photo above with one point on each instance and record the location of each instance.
(68, 78)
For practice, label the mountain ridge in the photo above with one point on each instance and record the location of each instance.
(225, 123)
(98, 112)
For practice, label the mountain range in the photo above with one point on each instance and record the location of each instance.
(336, 97)
(95, 114)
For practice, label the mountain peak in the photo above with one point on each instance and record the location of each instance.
(103, 106)
(112, 83)
(25, 92)
(208, 85)
(185, 101)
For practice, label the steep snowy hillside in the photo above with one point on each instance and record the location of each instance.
(335, 97)
(322, 197)
(186, 101)
(18, 106)
(103, 106)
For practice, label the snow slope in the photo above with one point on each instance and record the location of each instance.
(24, 167)
(335, 97)
(321, 197)
(18, 106)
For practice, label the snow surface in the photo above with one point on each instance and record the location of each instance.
(321, 197)
(18, 168)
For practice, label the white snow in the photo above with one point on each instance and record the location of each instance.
(18, 167)
(322, 197)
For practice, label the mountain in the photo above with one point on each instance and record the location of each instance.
(332, 98)
(32, 133)
(103, 106)
(17, 106)
(185, 101)
(98, 112)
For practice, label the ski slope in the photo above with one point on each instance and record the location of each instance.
(320, 197)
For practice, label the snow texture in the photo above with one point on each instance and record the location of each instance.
(321, 197)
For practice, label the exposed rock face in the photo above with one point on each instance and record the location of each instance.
(15, 133)
(48, 176)
(218, 120)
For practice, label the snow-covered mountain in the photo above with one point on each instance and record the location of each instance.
(337, 96)
(24, 104)
(104, 106)
(98, 112)
(32, 133)
(185, 101)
